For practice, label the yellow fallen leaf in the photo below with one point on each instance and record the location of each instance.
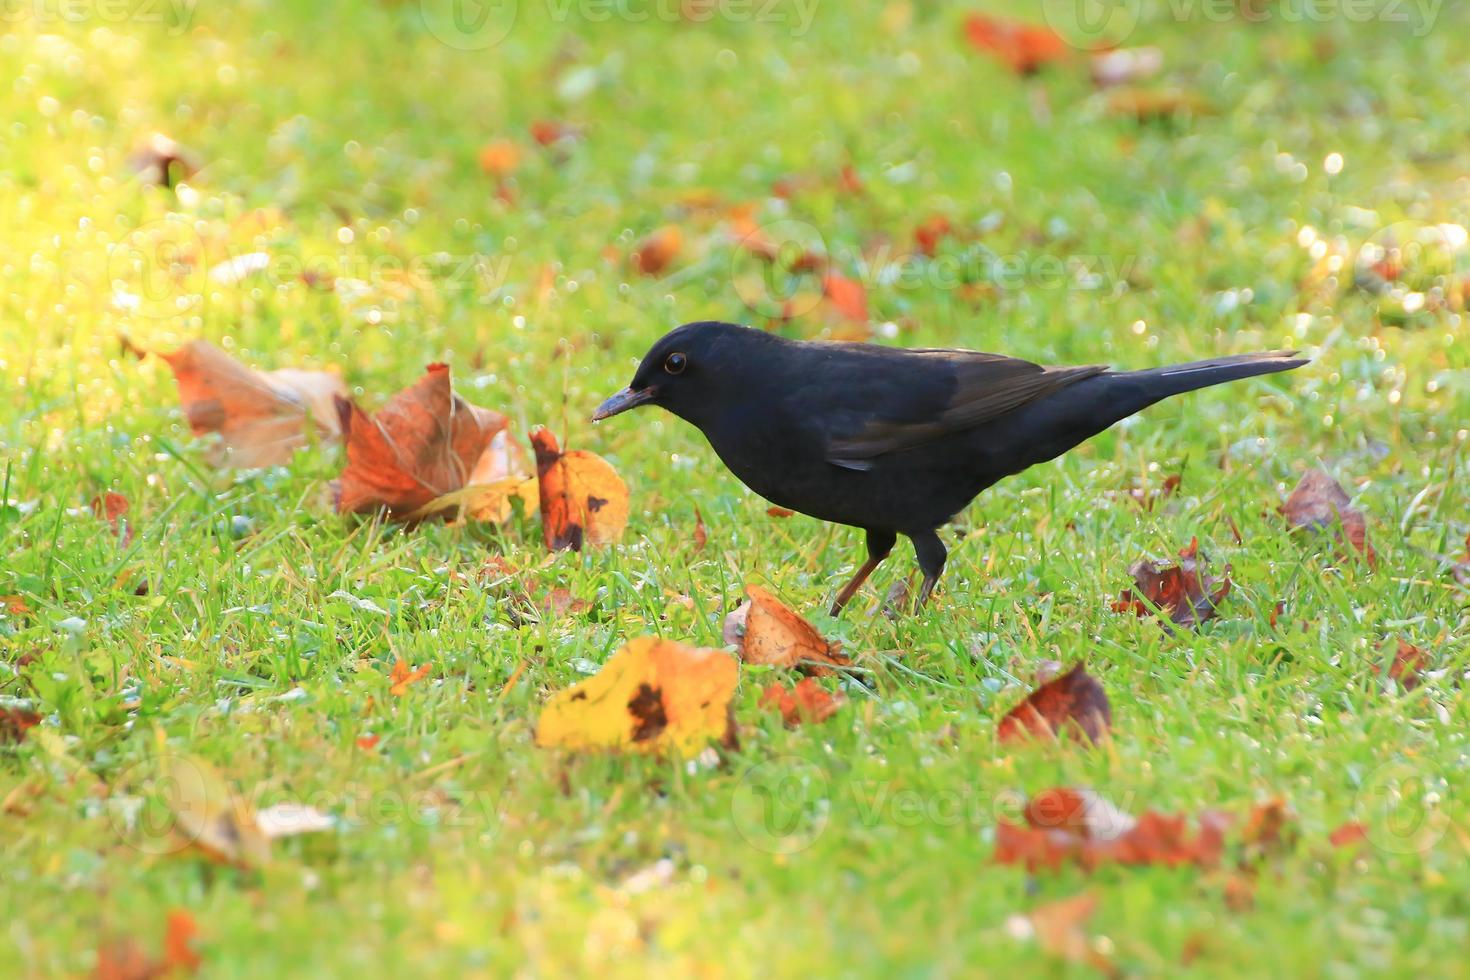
(652, 695)
(501, 474)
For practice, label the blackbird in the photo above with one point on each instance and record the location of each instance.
(893, 441)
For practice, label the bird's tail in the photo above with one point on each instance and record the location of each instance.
(1155, 384)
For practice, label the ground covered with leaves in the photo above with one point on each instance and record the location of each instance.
(322, 642)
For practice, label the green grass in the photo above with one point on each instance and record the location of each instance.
(461, 849)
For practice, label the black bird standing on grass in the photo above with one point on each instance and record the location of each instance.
(890, 440)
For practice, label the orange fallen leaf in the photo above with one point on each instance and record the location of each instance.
(262, 417)
(367, 742)
(930, 232)
(423, 444)
(1270, 828)
(779, 512)
(1078, 826)
(847, 296)
(651, 696)
(1024, 48)
(767, 632)
(1148, 105)
(500, 158)
(1348, 834)
(178, 942)
(561, 602)
(1319, 503)
(1181, 591)
(1059, 929)
(113, 508)
(404, 676)
(701, 534)
(15, 722)
(15, 605)
(583, 500)
(805, 703)
(657, 251)
(1075, 700)
(500, 478)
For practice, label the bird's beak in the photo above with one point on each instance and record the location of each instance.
(622, 401)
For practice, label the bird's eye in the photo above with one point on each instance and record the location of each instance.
(675, 363)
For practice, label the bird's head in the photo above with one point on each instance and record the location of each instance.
(688, 368)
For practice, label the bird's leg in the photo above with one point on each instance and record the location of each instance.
(931, 554)
(880, 543)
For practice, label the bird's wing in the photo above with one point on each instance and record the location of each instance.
(950, 390)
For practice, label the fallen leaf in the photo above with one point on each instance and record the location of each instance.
(1408, 661)
(779, 512)
(930, 232)
(208, 815)
(15, 605)
(1024, 48)
(404, 676)
(1058, 928)
(1182, 591)
(847, 296)
(547, 132)
(1067, 825)
(1270, 828)
(500, 158)
(805, 703)
(500, 477)
(652, 695)
(160, 160)
(178, 942)
(1319, 503)
(583, 500)
(769, 633)
(15, 722)
(561, 602)
(701, 534)
(1075, 700)
(113, 508)
(1348, 835)
(656, 252)
(423, 444)
(262, 417)
(125, 959)
(367, 742)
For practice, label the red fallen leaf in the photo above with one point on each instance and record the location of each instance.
(1024, 48)
(807, 702)
(403, 676)
(500, 158)
(656, 252)
(262, 417)
(15, 605)
(1110, 836)
(125, 959)
(178, 943)
(1270, 827)
(15, 722)
(561, 602)
(368, 742)
(848, 180)
(930, 232)
(701, 534)
(1408, 661)
(420, 446)
(1182, 591)
(583, 500)
(113, 508)
(1073, 700)
(1348, 834)
(547, 132)
(778, 512)
(1319, 503)
(847, 296)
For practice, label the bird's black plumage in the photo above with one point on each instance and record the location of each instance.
(891, 440)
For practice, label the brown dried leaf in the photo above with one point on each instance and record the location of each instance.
(262, 417)
(805, 703)
(15, 722)
(1408, 662)
(583, 500)
(1075, 701)
(1319, 503)
(767, 632)
(1182, 591)
(113, 508)
(656, 252)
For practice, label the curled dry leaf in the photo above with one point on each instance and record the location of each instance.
(1181, 591)
(769, 633)
(651, 696)
(656, 252)
(805, 703)
(1024, 48)
(423, 444)
(1075, 700)
(262, 417)
(583, 500)
(1078, 826)
(1319, 503)
(500, 478)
